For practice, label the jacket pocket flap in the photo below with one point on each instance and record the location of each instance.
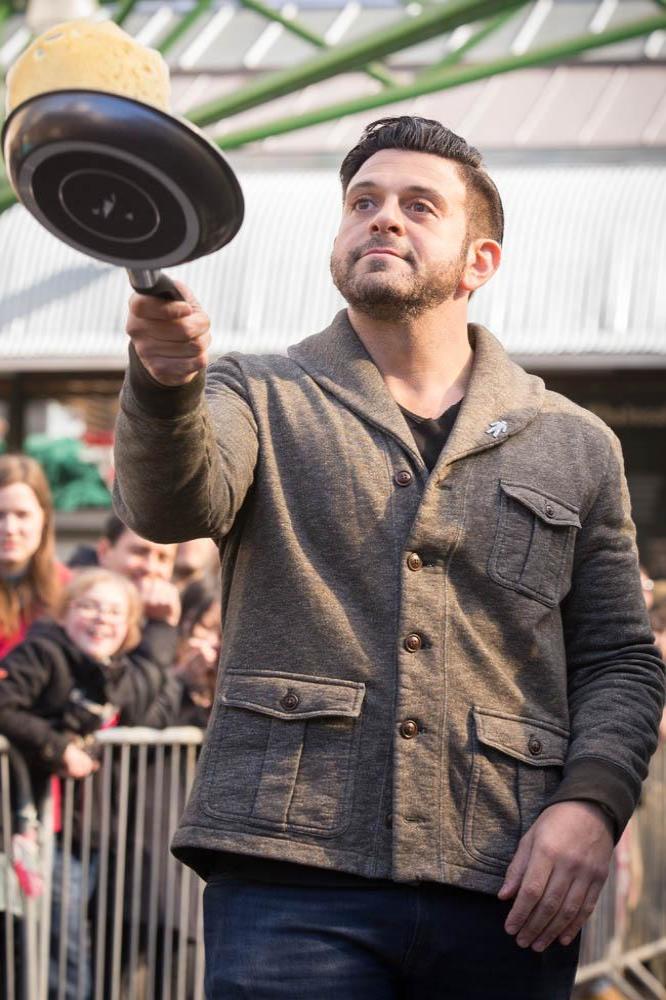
(548, 508)
(291, 696)
(538, 743)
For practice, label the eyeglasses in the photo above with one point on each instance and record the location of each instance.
(91, 609)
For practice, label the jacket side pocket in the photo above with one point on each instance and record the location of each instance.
(516, 766)
(282, 751)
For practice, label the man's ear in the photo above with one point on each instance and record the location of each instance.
(483, 259)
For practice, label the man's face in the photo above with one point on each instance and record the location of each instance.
(137, 558)
(401, 248)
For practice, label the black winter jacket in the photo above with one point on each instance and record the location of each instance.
(51, 692)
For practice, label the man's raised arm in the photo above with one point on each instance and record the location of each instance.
(184, 457)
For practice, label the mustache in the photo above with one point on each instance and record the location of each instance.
(385, 244)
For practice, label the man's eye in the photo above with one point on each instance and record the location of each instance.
(420, 207)
(362, 203)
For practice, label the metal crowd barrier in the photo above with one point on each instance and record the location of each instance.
(130, 915)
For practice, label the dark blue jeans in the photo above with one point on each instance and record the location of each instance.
(288, 942)
(77, 964)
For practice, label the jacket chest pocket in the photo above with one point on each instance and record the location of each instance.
(282, 751)
(534, 544)
(517, 766)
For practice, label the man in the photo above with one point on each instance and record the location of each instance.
(149, 565)
(196, 560)
(438, 692)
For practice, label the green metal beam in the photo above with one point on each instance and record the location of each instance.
(353, 56)
(185, 23)
(446, 79)
(124, 10)
(453, 58)
(7, 197)
(296, 27)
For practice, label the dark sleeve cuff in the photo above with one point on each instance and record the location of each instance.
(52, 750)
(590, 779)
(164, 401)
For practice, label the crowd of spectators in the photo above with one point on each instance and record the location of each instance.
(125, 633)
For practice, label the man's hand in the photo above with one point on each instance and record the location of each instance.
(77, 763)
(557, 874)
(171, 338)
(161, 600)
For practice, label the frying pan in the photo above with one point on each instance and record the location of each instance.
(122, 181)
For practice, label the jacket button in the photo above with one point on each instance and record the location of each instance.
(535, 746)
(403, 477)
(413, 642)
(414, 561)
(388, 820)
(290, 701)
(550, 510)
(409, 729)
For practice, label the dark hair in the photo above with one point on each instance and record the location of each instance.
(424, 135)
(113, 529)
(195, 601)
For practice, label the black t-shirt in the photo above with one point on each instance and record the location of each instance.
(430, 436)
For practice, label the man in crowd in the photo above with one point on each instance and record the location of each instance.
(438, 692)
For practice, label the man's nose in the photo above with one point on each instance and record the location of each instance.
(154, 566)
(388, 219)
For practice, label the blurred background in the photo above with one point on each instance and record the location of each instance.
(565, 98)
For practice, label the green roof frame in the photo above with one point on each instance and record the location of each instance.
(364, 55)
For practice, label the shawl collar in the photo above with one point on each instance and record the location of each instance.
(499, 392)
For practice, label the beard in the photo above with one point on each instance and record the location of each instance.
(388, 296)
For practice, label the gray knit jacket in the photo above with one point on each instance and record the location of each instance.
(414, 664)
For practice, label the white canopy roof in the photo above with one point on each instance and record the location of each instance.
(581, 283)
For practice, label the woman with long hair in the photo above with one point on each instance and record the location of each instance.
(30, 576)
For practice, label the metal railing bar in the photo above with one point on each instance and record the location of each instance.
(646, 978)
(137, 866)
(103, 878)
(167, 930)
(47, 846)
(645, 952)
(30, 947)
(66, 864)
(185, 891)
(9, 936)
(84, 938)
(199, 957)
(140, 736)
(118, 896)
(151, 950)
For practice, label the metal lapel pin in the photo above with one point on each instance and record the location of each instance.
(497, 428)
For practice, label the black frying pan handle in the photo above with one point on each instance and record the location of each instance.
(154, 283)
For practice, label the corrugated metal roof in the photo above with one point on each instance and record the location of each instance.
(582, 273)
